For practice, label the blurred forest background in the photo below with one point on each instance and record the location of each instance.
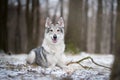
(90, 25)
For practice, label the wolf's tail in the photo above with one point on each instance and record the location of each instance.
(31, 57)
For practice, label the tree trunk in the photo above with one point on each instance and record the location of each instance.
(99, 27)
(61, 9)
(3, 25)
(92, 14)
(115, 75)
(17, 33)
(84, 26)
(29, 26)
(106, 26)
(36, 23)
(113, 24)
(73, 33)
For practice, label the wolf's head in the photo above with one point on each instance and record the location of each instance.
(54, 33)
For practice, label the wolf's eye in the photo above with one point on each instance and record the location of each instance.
(51, 30)
(58, 30)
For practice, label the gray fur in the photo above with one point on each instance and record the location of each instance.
(41, 57)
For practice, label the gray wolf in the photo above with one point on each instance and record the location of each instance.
(51, 52)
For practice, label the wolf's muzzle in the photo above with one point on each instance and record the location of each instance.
(54, 39)
(54, 36)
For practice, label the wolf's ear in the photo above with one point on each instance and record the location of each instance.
(61, 22)
(48, 22)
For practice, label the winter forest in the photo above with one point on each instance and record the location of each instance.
(91, 26)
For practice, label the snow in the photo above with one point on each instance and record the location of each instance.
(14, 67)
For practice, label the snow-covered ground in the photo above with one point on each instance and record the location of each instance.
(14, 67)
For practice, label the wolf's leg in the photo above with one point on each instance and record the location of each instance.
(31, 57)
(61, 61)
(61, 64)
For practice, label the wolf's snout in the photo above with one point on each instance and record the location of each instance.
(55, 36)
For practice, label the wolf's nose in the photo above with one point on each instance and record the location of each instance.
(55, 36)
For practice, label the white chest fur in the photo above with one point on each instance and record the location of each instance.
(54, 48)
(56, 52)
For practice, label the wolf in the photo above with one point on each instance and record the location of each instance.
(51, 52)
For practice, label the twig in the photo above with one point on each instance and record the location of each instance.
(78, 62)
(85, 67)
